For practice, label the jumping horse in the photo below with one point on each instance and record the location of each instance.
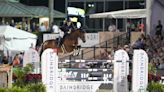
(70, 42)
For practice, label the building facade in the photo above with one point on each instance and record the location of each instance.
(99, 6)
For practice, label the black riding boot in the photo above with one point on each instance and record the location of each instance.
(60, 41)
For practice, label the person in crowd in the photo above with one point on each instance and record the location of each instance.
(25, 26)
(60, 33)
(159, 29)
(4, 60)
(21, 57)
(140, 26)
(16, 61)
(110, 57)
(104, 54)
(42, 27)
(132, 27)
(33, 27)
(112, 28)
(12, 23)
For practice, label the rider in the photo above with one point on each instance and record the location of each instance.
(66, 27)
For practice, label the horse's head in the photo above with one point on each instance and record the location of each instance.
(81, 35)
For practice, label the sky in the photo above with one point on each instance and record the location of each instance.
(58, 5)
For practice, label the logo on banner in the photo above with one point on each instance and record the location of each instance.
(31, 56)
(140, 71)
(121, 70)
(50, 70)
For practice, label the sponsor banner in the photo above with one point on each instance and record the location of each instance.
(67, 74)
(87, 86)
(50, 70)
(91, 40)
(50, 36)
(140, 71)
(31, 56)
(121, 70)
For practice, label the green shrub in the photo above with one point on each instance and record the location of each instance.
(18, 89)
(2, 89)
(155, 87)
(36, 87)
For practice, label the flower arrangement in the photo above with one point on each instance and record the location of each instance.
(25, 81)
(33, 78)
(154, 84)
(151, 77)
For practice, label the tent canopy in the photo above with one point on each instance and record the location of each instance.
(129, 13)
(16, 39)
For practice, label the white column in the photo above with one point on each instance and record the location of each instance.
(148, 15)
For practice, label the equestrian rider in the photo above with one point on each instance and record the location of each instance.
(67, 27)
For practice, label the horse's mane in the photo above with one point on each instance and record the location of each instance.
(72, 35)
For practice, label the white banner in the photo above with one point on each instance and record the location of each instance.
(91, 40)
(86, 86)
(31, 56)
(50, 36)
(50, 70)
(121, 70)
(140, 71)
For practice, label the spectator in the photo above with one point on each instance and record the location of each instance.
(159, 29)
(16, 60)
(132, 27)
(112, 28)
(33, 27)
(42, 27)
(140, 27)
(21, 57)
(110, 57)
(5, 60)
(12, 23)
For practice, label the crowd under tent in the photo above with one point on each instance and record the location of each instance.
(121, 14)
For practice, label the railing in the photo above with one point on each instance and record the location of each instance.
(119, 40)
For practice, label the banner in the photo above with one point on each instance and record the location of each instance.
(87, 86)
(50, 70)
(140, 71)
(50, 36)
(91, 40)
(121, 70)
(31, 56)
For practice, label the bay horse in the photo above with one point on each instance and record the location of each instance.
(70, 42)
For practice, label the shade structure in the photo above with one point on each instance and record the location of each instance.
(15, 9)
(14, 39)
(129, 13)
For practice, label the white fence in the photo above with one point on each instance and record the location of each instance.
(89, 79)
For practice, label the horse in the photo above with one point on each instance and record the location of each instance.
(70, 42)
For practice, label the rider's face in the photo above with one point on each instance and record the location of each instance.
(68, 23)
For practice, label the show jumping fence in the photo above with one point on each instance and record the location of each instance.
(88, 75)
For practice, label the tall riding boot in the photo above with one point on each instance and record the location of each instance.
(59, 42)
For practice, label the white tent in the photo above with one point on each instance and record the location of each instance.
(14, 39)
(129, 13)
